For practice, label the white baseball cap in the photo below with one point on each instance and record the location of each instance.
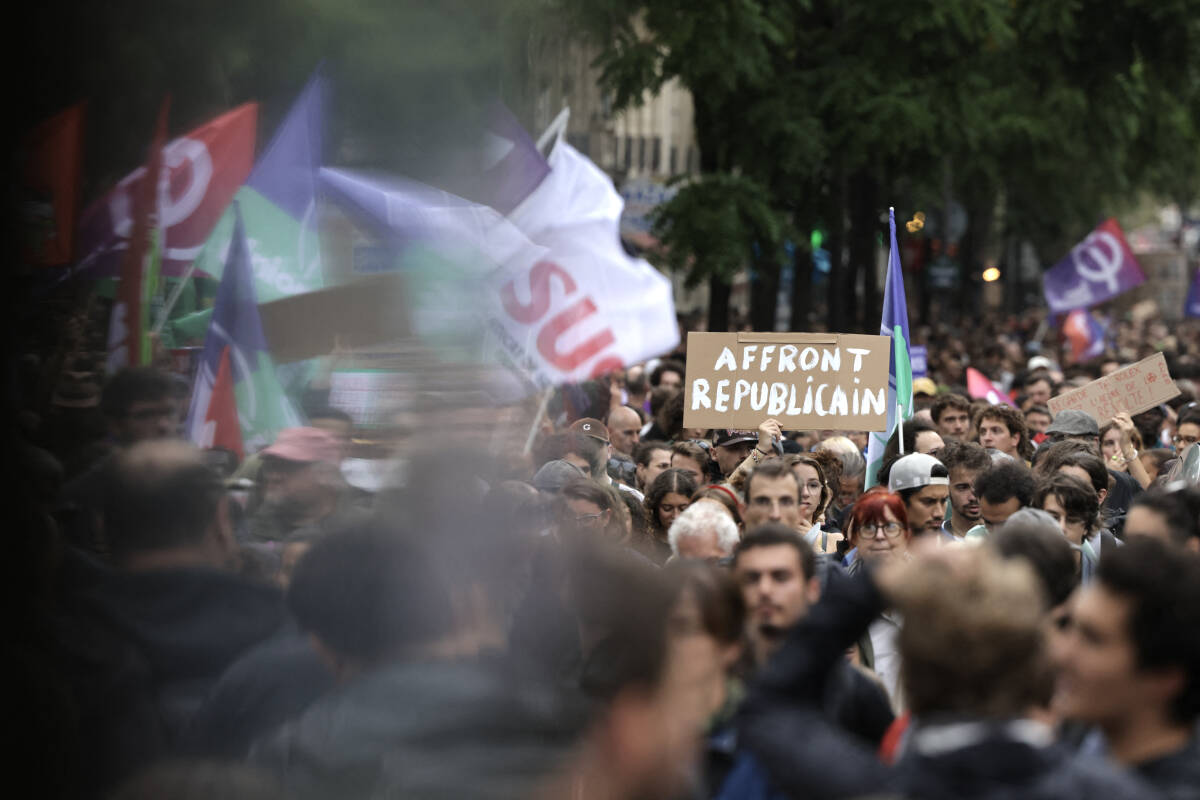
(914, 471)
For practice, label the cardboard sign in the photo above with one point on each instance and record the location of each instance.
(807, 381)
(1134, 389)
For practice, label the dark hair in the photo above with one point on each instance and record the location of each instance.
(643, 450)
(1079, 500)
(968, 455)
(1046, 551)
(639, 383)
(912, 429)
(1015, 422)
(1191, 417)
(669, 418)
(591, 450)
(1149, 425)
(1035, 377)
(134, 385)
(1037, 408)
(670, 481)
(769, 468)
(370, 592)
(603, 497)
(1179, 507)
(721, 604)
(659, 398)
(772, 534)
(945, 401)
(1050, 457)
(1163, 587)
(1006, 480)
(1091, 464)
(160, 495)
(668, 365)
(695, 451)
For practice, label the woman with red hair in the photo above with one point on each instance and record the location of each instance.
(878, 528)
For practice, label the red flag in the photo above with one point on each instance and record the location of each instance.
(204, 169)
(222, 428)
(53, 163)
(127, 324)
(980, 388)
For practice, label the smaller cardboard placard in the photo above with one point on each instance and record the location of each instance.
(1134, 389)
(807, 381)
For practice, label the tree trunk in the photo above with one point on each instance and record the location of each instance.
(864, 230)
(718, 304)
(841, 289)
(802, 277)
(764, 293)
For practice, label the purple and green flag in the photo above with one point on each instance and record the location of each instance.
(895, 325)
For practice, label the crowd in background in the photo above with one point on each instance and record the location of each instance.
(590, 600)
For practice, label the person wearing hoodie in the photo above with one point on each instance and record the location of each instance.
(143, 640)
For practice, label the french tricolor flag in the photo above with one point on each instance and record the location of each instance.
(1086, 335)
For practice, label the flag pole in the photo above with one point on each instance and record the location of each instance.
(900, 426)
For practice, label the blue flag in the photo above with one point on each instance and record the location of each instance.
(237, 401)
(1192, 308)
(895, 325)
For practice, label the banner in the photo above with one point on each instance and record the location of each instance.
(53, 156)
(1132, 389)
(128, 343)
(204, 169)
(894, 324)
(807, 381)
(980, 388)
(1097, 269)
(237, 402)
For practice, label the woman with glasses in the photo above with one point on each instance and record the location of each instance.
(878, 528)
(815, 497)
(587, 507)
(666, 499)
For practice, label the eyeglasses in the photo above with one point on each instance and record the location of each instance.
(1184, 441)
(889, 529)
(588, 519)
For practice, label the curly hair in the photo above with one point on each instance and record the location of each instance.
(671, 481)
(1015, 422)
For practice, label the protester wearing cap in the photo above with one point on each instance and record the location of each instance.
(923, 483)
(732, 447)
(553, 475)
(304, 493)
(924, 390)
(589, 448)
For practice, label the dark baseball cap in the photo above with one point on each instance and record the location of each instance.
(727, 436)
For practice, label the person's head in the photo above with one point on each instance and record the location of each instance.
(923, 483)
(587, 507)
(951, 415)
(1035, 537)
(964, 461)
(1073, 425)
(587, 452)
(1039, 389)
(776, 569)
(300, 471)
(624, 429)
(731, 447)
(1133, 644)
(668, 375)
(163, 504)
(1168, 514)
(1037, 419)
(1003, 428)
(815, 492)
(139, 404)
(919, 437)
(1003, 489)
(1088, 468)
(1187, 430)
(715, 493)
(854, 469)
(1154, 459)
(651, 460)
(335, 421)
(772, 492)
(878, 526)
(1072, 502)
(1111, 446)
(692, 458)
(982, 658)
(637, 382)
(703, 531)
(667, 498)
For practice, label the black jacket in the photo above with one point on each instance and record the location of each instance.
(804, 754)
(428, 729)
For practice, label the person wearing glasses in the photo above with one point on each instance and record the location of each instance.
(879, 530)
(1187, 430)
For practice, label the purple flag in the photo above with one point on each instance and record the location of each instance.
(1097, 269)
(286, 172)
(1192, 308)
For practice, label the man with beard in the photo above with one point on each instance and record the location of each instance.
(965, 461)
(303, 488)
(924, 484)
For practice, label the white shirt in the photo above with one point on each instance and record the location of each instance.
(884, 632)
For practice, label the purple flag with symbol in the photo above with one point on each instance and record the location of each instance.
(1097, 269)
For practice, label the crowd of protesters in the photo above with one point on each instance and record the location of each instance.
(607, 604)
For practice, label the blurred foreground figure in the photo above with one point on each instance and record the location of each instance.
(972, 673)
(1130, 662)
(143, 643)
